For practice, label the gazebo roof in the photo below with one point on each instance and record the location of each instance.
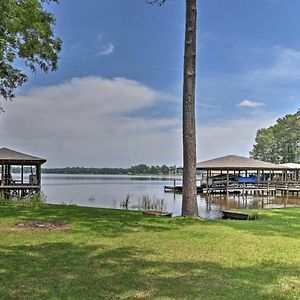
(15, 157)
(234, 162)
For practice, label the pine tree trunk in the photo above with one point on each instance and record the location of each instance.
(189, 193)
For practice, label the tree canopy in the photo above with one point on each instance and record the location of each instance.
(26, 36)
(279, 143)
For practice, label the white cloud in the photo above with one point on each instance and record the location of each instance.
(274, 81)
(99, 37)
(93, 48)
(208, 106)
(285, 66)
(85, 122)
(250, 104)
(230, 137)
(207, 38)
(107, 49)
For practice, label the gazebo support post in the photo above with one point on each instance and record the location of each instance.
(22, 174)
(207, 188)
(227, 182)
(38, 174)
(2, 174)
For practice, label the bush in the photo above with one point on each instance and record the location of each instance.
(35, 200)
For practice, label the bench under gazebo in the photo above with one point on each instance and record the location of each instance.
(20, 173)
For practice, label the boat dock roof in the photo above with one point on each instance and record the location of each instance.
(234, 162)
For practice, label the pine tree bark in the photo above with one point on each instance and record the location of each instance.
(189, 192)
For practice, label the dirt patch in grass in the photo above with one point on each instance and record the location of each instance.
(41, 225)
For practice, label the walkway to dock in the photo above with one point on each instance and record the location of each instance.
(259, 188)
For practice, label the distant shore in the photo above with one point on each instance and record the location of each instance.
(140, 169)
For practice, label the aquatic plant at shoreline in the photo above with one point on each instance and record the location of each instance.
(125, 202)
(147, 202)
(35, 200)
(91, 198)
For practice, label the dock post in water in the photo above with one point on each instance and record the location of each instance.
(207, 187)
(174, 186)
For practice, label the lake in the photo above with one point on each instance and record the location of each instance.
(109, 191)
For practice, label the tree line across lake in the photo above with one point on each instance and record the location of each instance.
(141, 169)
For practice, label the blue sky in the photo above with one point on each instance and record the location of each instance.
(248, 74)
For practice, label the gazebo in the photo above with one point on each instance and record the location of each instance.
(20, 173)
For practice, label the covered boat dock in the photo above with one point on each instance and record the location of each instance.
(234, 174)
(241, 175)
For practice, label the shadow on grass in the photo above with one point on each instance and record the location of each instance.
(73, 271)
(113, 223)
(107, 222)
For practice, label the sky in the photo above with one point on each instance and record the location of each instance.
(116, 99)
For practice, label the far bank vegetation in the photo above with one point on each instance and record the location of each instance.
(141, 169)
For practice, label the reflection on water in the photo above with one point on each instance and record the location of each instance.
(140, 191)
(224, 202)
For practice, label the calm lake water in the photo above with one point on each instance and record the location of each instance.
(110, 191)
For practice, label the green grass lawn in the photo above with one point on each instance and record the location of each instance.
(114, 254)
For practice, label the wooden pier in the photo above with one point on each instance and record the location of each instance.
(276, 188)
(18, 190)
(178, 189)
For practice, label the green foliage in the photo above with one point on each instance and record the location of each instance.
(152, 203)
(3, 200)
(26, 34)
(147, 202)
(140, 169)
(26, 170)
(279, 143)
(125, 202)
(34, 200)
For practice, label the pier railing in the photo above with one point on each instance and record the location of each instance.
(266, 187)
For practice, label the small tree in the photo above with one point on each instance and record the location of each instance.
(26, 35)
